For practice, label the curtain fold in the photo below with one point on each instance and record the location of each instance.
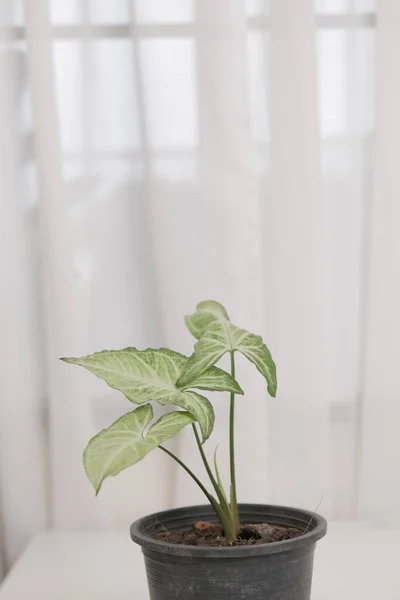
(379, 487)
(294, 263)
(23, 474)
(68, 418)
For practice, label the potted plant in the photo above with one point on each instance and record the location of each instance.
(224, 549)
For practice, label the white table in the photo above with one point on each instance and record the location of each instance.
(355, 561)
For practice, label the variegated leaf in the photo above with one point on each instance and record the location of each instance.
(207, 312)
(219, 336)
(123, 443)
(214, 380)
(144, 375)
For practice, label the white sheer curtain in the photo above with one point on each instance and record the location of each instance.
(156, 154)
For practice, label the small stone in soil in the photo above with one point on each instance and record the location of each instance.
(203, 525)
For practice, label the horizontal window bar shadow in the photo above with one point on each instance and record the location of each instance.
(367, 20)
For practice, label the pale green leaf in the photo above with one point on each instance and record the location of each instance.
(123, 443)
(221, 336)
(215, 380)
(144, 375)
(254, 349)
(207, 312)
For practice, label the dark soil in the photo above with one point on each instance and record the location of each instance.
(211, 534)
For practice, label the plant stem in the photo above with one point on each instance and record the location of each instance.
(220, 514)
(204, 458)
(189, 471)
(234, 509)
(220, 492)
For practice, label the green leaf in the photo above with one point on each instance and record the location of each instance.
(207, 312)
(219, 336)
(144, 375)
(123, 443)
(214, 380)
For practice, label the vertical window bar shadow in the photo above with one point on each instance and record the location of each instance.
(365, 317)
(87, 87)
(351, 117)
(154, 296)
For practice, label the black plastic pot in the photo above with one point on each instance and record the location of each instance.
(275, 571)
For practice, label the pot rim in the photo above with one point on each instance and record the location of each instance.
(150, 543)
